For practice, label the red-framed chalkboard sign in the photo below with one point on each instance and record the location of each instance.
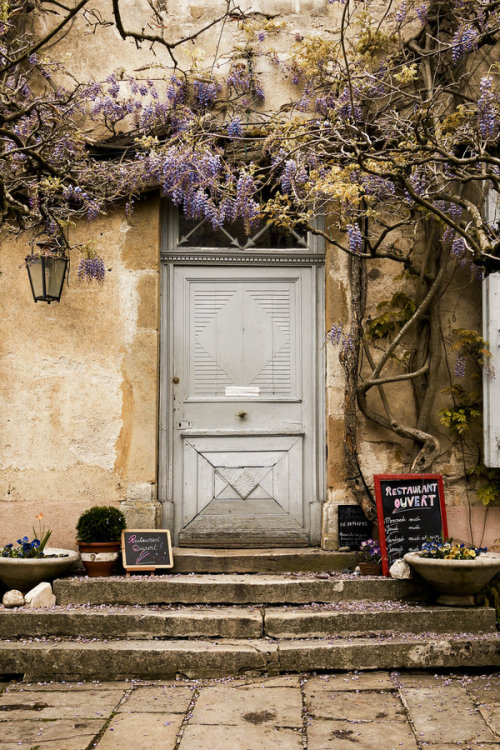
(410, 510)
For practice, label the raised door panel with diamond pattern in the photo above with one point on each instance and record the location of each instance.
(242, 404)
(242, 334)
(243, 476)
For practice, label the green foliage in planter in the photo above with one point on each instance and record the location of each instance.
(101, 523)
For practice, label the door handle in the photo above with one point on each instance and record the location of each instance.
(241, 414)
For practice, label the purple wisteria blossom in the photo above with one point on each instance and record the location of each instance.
(422, 13)
(335, 333)
(487, 112)
(400, 14)
(463, 43)
(349, 110)
(206, 92)
(234, 129)
(355, 238)
(91, 269)
(288, 175)
(459, 251)
(460, 366)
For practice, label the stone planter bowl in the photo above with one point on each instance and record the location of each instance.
(456, 581)
(23, 575)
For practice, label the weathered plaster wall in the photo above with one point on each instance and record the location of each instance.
(79, 380)
(78, 383)
(380, 451)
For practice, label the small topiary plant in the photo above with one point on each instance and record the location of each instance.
(101, 523)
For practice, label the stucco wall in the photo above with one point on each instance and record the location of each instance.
(79, 379)
(79, 383)
(381, 451)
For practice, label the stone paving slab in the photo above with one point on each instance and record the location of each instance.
(346, 735)
(491, 713)
(240, 737)
(324, 702)
(447, 714)
(252, 705)
(333, 711)
(169, 698)
(16, 687)
(141, 730)
(282, 681)
(62, 734)
(53, 704)
(357, 681)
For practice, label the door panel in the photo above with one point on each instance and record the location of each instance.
(242, 404)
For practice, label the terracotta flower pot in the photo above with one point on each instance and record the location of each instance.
(25, 573)
(99, 558)
(370, 568)
(456, 581)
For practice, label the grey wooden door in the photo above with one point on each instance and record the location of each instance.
(242, 404)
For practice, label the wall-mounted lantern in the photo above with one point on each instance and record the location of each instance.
(47, 271)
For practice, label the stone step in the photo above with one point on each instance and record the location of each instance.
(234, 589)
(309, 559)
(141, 623)
(366, 618)
(166, 659)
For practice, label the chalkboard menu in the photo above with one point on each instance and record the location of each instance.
(354, 527)
(410, 510)
(146, 549)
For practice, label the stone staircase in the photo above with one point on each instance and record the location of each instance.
(238, 612)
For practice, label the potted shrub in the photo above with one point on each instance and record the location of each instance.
(369, 558)
(454, 570)
(98, 534)
(28, 563)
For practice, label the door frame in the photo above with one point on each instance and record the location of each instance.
(172, 255)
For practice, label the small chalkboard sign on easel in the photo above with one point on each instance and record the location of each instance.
(146, 550)
(354, 528)
(410, 510)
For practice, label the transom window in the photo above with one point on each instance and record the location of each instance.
(199, 233)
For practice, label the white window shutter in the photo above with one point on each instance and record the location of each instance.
(491, 384)
(491, 332)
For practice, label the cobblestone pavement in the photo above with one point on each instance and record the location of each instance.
(372, 710)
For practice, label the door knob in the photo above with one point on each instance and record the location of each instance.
(175, 380)
(241, 414)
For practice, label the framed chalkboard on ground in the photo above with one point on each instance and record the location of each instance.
(354, 527)
(146, 549)
(410, 510)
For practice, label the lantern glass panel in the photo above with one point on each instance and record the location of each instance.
(54, 276)
(35, 270)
